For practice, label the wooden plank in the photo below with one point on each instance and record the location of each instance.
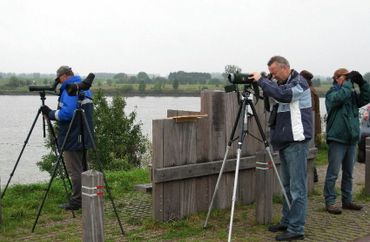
(253, 141)
(264, 191)
(199, 169)
(247, 186)
(216, 123)
(174, 112)
(231, 114)
(157, 162)
(179, 149)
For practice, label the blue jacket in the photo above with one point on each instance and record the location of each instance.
(294, 110)
(66, 108)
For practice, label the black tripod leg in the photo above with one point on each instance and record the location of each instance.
(101, 170)
(223, 165)
(46, 193)
(21, 153)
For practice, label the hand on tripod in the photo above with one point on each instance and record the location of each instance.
(45, 110)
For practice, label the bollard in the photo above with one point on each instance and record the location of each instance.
(264, 189)
(92, 206)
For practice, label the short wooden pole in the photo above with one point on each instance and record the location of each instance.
(367, 168)
(264, 190)
(92, 206)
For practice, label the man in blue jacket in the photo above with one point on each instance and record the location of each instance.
(74, 153)
(291, 130)
(342, 134)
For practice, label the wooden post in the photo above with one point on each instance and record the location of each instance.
(367, 169)
(264, 189)
(92, 206)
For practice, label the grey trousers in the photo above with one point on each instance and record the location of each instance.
(73, 161)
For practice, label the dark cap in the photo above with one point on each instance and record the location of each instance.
(63, 70)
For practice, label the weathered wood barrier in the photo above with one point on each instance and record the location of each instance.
(92, 206)
(187, 158)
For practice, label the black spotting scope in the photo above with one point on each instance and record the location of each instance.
(43, 88)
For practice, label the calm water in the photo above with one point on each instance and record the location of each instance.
(19, 112)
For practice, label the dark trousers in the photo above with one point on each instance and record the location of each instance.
(73, 161)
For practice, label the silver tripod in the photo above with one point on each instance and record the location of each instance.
(244, 103)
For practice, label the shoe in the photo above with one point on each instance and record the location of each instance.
(277, 227)
(68, 206)
(333, 209)
(351, 206)
(288, 236)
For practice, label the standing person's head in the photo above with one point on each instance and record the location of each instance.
(340, 76)
(63, 73)
(308, 76)
(279, 68)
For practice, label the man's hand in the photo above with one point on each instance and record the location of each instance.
(45, 110)
(356, 77)
(255, 76)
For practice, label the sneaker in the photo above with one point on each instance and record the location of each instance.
(333, 209)
(351, 206)
(68, 206)
(277, 227)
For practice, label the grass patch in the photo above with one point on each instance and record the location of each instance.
(361, 195)
(322, 155)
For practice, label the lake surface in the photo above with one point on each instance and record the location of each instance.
(19, 112)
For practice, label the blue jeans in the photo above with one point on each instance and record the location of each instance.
(293, 160)
(339, 155)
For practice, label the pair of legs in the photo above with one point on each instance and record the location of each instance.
(74, 164)
(293, 165)
(339, 156)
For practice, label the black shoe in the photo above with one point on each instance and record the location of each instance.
(68, 206)
(288, 236)
(351, 206)
(277, 227)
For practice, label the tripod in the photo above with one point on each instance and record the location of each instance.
(244, 103)
(56, 149)
(79, 115)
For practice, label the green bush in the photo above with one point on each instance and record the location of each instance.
(118, 137)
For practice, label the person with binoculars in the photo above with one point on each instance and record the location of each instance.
(291, 129)
(342, 134)
(74, 150)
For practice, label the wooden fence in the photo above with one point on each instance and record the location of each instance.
(187, 158)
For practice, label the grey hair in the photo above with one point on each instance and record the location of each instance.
(281, 61)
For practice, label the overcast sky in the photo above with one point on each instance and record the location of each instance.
(162, 36)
